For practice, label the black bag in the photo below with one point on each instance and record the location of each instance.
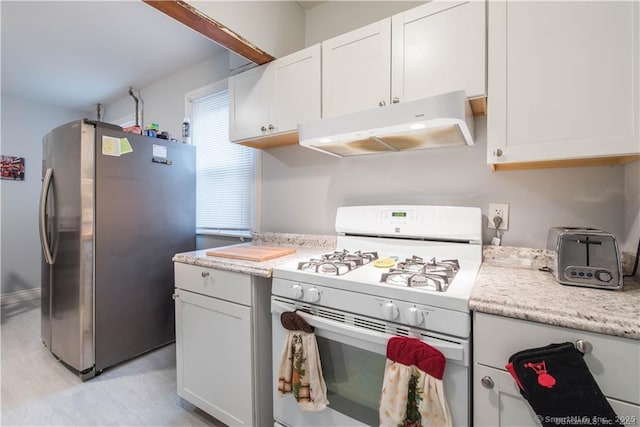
(559, 387)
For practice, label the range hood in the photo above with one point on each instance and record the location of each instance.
(439, 121)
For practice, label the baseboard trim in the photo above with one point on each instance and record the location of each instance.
(19, 296)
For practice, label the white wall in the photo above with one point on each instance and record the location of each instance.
(276, 27)
(24, 123)
(164, 99)
(302, 189)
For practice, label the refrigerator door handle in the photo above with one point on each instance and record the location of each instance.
(44, 195)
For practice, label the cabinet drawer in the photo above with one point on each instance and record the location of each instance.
(613, 361)
(226, 285)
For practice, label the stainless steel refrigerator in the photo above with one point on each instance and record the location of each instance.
(114, 208)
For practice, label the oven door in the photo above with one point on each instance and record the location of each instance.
(353, 356)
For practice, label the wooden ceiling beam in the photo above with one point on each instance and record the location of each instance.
(188, 15)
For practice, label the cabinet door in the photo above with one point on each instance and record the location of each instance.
(497, 400)
(213, 356)
(295, 90)
(564, 80)
(437, 48)
(356, 70)
(247, 104)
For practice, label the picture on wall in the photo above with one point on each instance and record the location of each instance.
(12, 168)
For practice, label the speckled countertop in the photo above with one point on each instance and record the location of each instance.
(305, 246)
(510, 284)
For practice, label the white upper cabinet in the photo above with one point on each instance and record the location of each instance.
(439, 47)
(272, 99)
(356, 70)
(432, 49)
(564, 82)
(295, 96)
(247, 104)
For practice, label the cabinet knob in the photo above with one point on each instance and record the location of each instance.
(263, 129)
(382, 104)
(583, 346)
(205, 274)
(175, 296)
(271, 127)
(395, 100)
(487, 382)
(497, 152)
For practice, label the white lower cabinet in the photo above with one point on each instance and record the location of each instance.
(613, 362)
(222, 356)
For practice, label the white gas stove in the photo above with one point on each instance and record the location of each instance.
(414, 265)
(396, 271)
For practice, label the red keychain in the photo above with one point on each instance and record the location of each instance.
(544, 378)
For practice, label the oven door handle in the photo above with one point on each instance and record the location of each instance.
(451, 351)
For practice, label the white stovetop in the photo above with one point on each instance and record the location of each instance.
(366, 279)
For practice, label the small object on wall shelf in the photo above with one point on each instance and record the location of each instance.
(12, 168)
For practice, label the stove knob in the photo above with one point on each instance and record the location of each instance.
(603, 276)
(313, 295)
(297, 291)
(390, 311)
(415, 316)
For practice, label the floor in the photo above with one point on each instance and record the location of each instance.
(38, 390)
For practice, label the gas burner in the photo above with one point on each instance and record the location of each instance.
(337, 263)
(358, 257)
(414, 272)
(334, 268)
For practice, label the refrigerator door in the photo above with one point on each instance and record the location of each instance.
(145, 213)
(46, 215)
(67, 234)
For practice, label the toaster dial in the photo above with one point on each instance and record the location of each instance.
(603, 276)
(587, 274)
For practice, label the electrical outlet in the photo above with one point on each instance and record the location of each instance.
(499, 210)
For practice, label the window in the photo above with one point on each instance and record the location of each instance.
(224, 171)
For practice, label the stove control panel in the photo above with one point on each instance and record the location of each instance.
(396, 311)
(429, 222)
(398, 217)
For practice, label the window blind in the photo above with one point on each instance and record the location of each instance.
(224, 171)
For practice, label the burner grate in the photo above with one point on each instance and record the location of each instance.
(414, 272)
(338, 263)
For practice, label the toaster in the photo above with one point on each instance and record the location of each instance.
(585, 257)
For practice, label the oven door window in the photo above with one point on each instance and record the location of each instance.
(354, 379)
